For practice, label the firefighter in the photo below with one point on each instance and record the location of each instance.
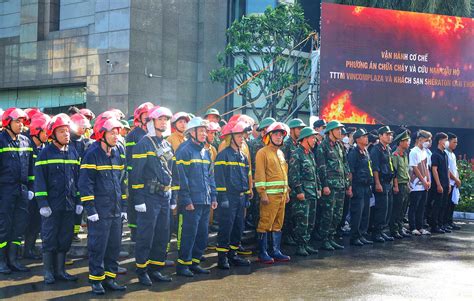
(213, 115)
(197, 195)
(178, 127)
(139, 115)
(16, 180)
(213, 129)
(103, 194)
(154, 180)
(271, 182)
(232, 183)
(39, 137)
(56, 176)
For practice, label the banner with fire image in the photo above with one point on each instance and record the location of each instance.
(390, 67)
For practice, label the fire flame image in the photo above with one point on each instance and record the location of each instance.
(340, 107)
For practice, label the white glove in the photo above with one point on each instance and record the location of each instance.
(45, 211)
(173, 206)
(93, 217)
(124, 215)
(140, 208)
(79, 209)
(31, 195)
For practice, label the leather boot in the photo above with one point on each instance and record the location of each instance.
(29, 249)
(277, 255)
(48, 263)
(197, 269)
(61, 273)
(111, 284)
(97, 287)
(143, 277)
(222, 261)
(4, 269)
(183, 270)
(327, 246)
(336, 246)
(310, 249)
(156, 275)
(15, 265)
(237, 260)
(301, 251)
(263, 256)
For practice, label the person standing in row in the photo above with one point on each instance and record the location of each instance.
(454, 182)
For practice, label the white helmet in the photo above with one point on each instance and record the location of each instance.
(157, 112)
(197, 122)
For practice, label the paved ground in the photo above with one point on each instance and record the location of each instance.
(438, 267)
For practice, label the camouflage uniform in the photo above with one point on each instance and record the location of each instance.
(332, 171)
(303, 178)
(289, 146)
(254, 210)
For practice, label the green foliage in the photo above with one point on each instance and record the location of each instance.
(267, 42)
(466, 175)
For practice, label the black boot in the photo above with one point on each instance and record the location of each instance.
(197, 269)
(143, 277)
(111, 284)
(237, 260)
(183, 270)
(97, 287)
(222, 261)
(156, 275)
(365, 241)
(15, 265)
(336, 246)
(48, 262)
(29, 250)
(4, 269)
(61, 273)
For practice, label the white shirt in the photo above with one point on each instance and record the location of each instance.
(452, 165)
(419, 158)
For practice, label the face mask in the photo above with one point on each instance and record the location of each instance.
(446, 145)
(345, 140)
(426, 144)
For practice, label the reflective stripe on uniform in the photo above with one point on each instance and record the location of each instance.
(130, 143)
(97, 278)
(184, 162)
(57, 161)
(31, 178)
(229, 163)
(221, 189)
(87, 198)
(110, 274)
(16, 149)
(180, 261)
(41, 193)
(102, 167)
(158, 263)
(274, 183)
(138, 186)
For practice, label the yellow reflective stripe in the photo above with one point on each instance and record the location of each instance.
(3, 245)
(41, 193)
(185, 262)
(159, 263)
(275, 191)
(57, 161)
(16, 149)
(138, 156)
(110, 274)
(234, 247)
(229, 163)
(124, 196)
(18, 243)
(274, 183)
(88, 166)
(132, 225)
(110, 167)
(222, 249)
(183, 162)
(98, 278)
(87, 198)
(122, 156)
(247, 192)
(195, 260)
(130, 143)
(31, 178)
(175, 187)
(35, 156)
(221, 189)
(142, 265)
(138, 186)
(129, 168)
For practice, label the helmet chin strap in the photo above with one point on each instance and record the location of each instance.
(232, 140)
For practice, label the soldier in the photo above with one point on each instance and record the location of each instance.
(362, 177)
(197, 195)
(232, 182)
(291, 143)
(16, 188)
(319, 126)
(154, 180)
(139, 116)
(56, 176)
(384, 173)
(331, 161)
(401, 191)
(102, 186)
(304, 181)
(213, 115)
(271, 182)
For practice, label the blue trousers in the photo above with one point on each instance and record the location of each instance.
(57, 231)
(231, 223)
(192, 234)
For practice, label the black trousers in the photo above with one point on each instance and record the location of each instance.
(359, 209)
(416, 209)
(13, 213)
(450, 206)
(382, 208)
(440, 205)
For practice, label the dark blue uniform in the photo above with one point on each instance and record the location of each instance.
(16, 179)
(382, 163)
(197, 187)
(56, 176)
(154, 181)
(102, 185)
(362, 178)
(232, 182)
(130, 141)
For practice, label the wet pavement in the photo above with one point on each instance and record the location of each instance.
(438, 267)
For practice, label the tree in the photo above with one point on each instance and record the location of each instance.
(268, 44)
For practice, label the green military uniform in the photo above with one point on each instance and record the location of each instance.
(332, 171)
(400, 199)
(303, 178)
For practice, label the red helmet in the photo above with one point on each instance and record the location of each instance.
(214, 127)
(88, 113)
(80, 120)
(120, 115)
(235, 118)
(31, 112)
(227, 129)
(105, 125)
(12, 114)
(143, 108)
(239, 127)
(39, 123)
(58, 121)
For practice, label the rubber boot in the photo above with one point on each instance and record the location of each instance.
(237, 260)
(197, 269)
(327, 246)
(222, 261)
(143, 277)
(97, 287)
(111, 284)
(301, 251)
(48, 263)
(156, 275)
(29, 250)
(183, 270)
(15, 265)
(310, 249)
(61, 273)
(263, 256)
(4, 269)
(336, 246)
(277, 255)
